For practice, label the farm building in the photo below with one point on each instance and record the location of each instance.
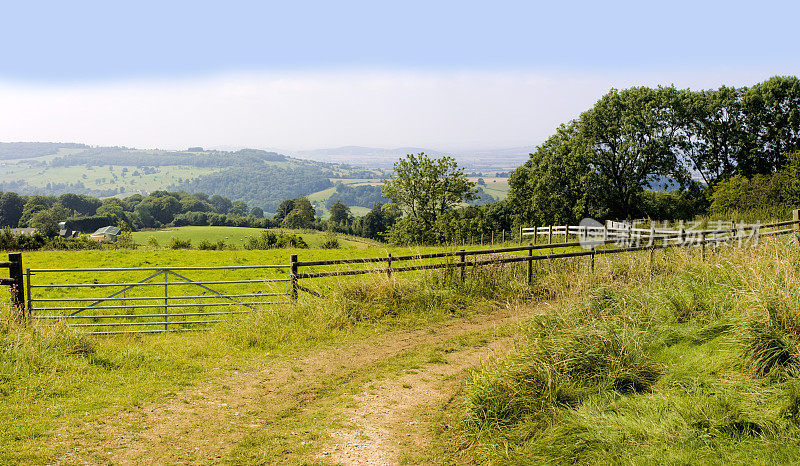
(105, 235)
(22, 231)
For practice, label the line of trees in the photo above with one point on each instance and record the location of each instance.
(166, 208)
(606, 163)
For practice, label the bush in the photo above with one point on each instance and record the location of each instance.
(269, 240)
(331, 242)
(207, 245)
(177, 243)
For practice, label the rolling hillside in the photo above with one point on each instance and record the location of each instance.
(257, 177)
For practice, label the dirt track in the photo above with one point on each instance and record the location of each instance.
(203, 424)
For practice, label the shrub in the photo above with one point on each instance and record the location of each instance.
(177, 243)
(330, 243)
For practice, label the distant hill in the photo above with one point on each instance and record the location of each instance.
(487, 161)
(258, 177)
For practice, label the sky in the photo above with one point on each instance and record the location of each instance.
(303, 75)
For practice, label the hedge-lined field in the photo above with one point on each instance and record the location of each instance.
(236, 237)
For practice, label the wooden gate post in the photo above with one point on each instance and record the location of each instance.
(796, 218)
(530, 264)
(293, 275)
(462, 258)
(17, 285)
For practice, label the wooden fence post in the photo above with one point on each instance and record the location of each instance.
(550, 236)
(703, 245)
(389, 265)
(293, 275)
(592, 258)
(520, 234)
(530, 264)
(796, 218)
(17, 287)
(462, 258)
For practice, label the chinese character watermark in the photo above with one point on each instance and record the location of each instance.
(645, 233)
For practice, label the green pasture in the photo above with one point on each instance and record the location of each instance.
(236, 237)
(102, 177)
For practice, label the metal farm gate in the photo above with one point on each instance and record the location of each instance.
(114, 300)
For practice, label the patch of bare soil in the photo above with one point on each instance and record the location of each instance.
(388, 421)
(204, 423)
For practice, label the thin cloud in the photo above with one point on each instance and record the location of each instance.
(295, 111)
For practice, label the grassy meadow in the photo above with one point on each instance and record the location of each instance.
(235, 237)
(56, 378)
(681, 360)
(690, 362)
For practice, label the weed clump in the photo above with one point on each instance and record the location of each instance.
(768, 349)
(558, 371)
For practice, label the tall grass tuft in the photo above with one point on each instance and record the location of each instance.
(347, 305)
(676, 361)
(560, 370)
(769, 349)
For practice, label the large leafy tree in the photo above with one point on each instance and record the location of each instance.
(11, 206)
(631, 139)
(425, 188)
(340, 213)
(772, 114)
(557, 184)
(713, 139)
(301, 216)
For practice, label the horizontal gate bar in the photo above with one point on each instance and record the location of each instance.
(161, 323)
(128, 269)
(172, 330)
(145, 298)
(219, 282)
(157, 306)
(137, 316)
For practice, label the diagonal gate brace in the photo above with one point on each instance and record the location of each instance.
(118, 292)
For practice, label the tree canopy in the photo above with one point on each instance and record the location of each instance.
(425, 188)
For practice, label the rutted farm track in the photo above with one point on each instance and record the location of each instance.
(363, 403)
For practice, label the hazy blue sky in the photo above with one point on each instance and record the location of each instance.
(316, 74)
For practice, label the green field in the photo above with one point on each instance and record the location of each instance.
(496, 187)
(237, 236)
(675, 359)
(319, 198)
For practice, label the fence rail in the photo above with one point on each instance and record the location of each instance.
(590, 239)
(71, 300)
